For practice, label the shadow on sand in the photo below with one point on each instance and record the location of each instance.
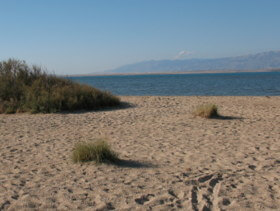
(220, 117)
(123, 105)
(133, 164)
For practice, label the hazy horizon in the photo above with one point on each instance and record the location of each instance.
(80, 37)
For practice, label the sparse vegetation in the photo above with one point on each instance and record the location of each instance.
(29, 89)
(206, 111)
(98, 151)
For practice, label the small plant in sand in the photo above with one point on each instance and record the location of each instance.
(206, 111)
(98, 151)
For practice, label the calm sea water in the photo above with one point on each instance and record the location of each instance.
(221, 84)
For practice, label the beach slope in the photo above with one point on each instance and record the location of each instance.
(171, 160)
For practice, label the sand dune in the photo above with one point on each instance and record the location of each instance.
(171, 159)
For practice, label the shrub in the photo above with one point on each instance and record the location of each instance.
(98, 151)
(29, 89)
(207, 111)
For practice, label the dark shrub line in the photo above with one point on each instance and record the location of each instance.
(30, 89)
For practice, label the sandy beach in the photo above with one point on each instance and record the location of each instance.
(171, 159)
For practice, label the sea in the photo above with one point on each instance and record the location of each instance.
(208, 84)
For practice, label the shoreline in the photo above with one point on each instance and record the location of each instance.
(174, 73)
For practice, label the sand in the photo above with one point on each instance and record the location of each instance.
(171, 159)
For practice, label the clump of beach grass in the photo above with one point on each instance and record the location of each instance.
(206, 111)
(98, 151)
(26, 88)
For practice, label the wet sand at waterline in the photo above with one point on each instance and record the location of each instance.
(171, 160)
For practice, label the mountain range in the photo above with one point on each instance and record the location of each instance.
(269, 61)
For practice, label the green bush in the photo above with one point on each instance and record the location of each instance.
(29, 89)
(98, 151)
(206, 111)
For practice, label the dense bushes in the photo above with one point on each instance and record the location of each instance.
(29, 89)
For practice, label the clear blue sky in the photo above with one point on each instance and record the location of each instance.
(83, 36)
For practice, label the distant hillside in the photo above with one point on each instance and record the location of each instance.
(266, 60)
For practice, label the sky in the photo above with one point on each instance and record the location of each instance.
(86, 36)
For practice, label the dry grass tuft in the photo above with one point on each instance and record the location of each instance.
(206, 111)
(98, 151)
